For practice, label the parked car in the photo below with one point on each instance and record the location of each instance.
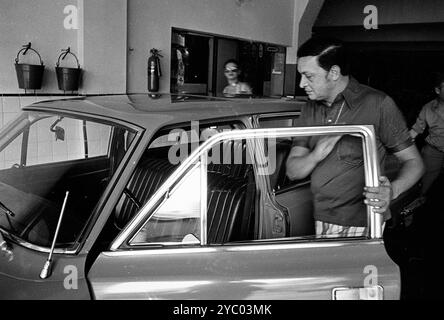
(174, 197)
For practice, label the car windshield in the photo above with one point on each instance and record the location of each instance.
(44, 156)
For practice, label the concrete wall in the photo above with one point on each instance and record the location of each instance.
(41, 23)
(150, 23)
(305, 14)
(104, 45)
(114, 36)
(99, 42)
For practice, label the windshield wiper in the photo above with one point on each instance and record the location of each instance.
(6, 210)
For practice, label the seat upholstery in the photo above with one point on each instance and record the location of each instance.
(147, 178)
(227, 208)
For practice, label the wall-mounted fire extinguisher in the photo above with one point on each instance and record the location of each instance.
(154, 71)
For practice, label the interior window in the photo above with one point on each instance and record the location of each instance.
(47, 157)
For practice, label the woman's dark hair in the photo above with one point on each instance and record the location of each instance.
(329, 52)
(231, 61)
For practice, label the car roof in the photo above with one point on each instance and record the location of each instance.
(158, 110)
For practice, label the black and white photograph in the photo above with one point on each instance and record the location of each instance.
(221, 155)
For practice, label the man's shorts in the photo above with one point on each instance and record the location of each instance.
(329, 229)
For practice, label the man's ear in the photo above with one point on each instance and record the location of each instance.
(335, 72)
(438, 91)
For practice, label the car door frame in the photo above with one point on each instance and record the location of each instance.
(371, 165)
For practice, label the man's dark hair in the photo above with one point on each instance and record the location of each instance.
(329, 52)
(438, 79)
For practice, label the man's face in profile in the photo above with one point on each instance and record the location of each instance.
(314, 79)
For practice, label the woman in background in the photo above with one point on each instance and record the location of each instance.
(235, 86)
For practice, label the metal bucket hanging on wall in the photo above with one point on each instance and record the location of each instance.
(68, 79)
(29, 76)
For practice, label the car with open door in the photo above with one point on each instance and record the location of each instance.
(175, 197)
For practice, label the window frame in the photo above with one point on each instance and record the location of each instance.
(371, 166)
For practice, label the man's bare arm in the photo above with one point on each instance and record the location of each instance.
(413, 133)
(301, 162)
(411, 171)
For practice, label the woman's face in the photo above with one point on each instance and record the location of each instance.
(231, 71)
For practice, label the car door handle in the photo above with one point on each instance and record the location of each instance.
(362, 293)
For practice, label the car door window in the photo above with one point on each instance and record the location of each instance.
(47, 156)
(177, 219)
(168, 148)
(64, 139)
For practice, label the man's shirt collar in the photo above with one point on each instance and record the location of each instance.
(350, 93)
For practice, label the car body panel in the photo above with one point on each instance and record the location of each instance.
(20, 276)
(252, 271)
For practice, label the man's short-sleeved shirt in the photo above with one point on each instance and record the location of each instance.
(432, 116)
(337, 182)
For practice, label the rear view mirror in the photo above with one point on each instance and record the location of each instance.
(59, 131)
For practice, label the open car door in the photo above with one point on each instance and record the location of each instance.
(217, 229)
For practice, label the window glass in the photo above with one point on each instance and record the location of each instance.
(164, 154)
(43, 146)
(98, 137)
(177, 220)
(279, 122)
(195, 134)
(12, 153)
(231, 192)
(52, 140)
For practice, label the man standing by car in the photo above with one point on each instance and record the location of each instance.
(335, 163)
(432, 117)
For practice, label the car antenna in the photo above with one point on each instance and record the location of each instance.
(46, 271)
